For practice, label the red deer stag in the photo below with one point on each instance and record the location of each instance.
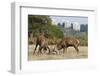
(68, 42)
(43, 44)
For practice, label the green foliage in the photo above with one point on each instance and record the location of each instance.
(84, 40)
(36, 24)
(38, 20)
(54, 31)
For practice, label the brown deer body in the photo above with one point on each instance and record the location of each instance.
(43, 44)
(68, 42)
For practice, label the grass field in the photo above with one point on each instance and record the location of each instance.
(70, 54)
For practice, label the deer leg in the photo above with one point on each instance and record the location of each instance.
(35, 48)
(48, 50)
(54, 51)
(39, 51)
(64, 50)
(76, 48)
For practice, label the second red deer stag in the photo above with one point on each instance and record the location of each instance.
(43, 44)
(68, 42)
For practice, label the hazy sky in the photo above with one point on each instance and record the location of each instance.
(79, 19)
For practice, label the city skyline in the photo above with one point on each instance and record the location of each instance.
(72, 19)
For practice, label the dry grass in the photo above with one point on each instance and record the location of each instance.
(70, 54)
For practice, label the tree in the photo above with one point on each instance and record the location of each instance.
(59, 24)
(39, 19)
(37, 23)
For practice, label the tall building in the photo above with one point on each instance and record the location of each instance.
(67, 24)
(84, 27)
(76, 26)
